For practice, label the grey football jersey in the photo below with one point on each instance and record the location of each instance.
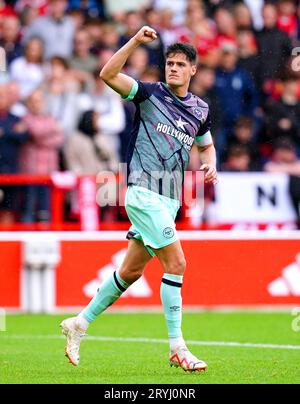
(165, 129)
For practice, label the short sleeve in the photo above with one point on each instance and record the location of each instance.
(204, 136)
(140, 91)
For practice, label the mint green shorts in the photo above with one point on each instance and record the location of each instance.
(152, 217)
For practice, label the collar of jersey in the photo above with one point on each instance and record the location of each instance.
(182, 99)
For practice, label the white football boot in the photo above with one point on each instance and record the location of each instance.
(183, 358)
(74, 337)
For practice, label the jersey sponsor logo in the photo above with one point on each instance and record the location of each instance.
(183, 138)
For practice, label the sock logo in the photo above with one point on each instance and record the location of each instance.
(168, 232)
(175, 309)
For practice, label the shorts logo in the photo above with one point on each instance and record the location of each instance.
(168, 232)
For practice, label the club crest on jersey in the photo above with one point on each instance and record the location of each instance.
(198, 113)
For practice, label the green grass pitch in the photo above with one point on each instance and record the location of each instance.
(31, 350)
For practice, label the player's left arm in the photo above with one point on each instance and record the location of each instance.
(208, 157)
(207, 151)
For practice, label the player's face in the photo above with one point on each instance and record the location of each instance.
(179, 70)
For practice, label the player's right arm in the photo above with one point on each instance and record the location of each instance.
(111, 72)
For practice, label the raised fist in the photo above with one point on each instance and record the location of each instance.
(146, 35)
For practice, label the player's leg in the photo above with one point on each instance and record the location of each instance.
(131, 270)
(174, 264)
(109, 292)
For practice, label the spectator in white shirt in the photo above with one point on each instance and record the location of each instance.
(56, 30)
(28, 71)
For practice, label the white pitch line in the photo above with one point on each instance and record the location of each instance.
(159, 341)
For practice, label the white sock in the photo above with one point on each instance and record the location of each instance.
(175, 343)
(82, 323)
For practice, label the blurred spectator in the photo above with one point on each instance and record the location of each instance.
(169, 33)
(243, 16)
(10, 38)
(39, 156)
(287, 19)
(244, 135)
(236, 90)
(28, 15)
(248, 54)
(274, 47)
(63, 95)
(238, 159)
(284, 160)
(90, 8)
(117, 6)
(178, 7)
(39, 5)
(95, 30)
(110, 36)
(78, 18)
(16, 104)
(255, 7)
(152, 18)
(83, 62)
(203, 85)
(226, 25)
(56, 30)
(111, 114)
(201, 33)
(87, 152)
(28, 70)
(12, 134)
(155, 49)
(137, 63)
(82, 58)
(150, 75)
(283, 116)
(5, 11)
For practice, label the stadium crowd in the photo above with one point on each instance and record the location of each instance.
(56, 114)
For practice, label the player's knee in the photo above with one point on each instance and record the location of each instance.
(177, 266)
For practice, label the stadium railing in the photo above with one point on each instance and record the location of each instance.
(89, 213)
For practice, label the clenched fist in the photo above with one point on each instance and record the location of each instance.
(145, 35)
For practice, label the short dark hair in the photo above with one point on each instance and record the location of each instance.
(181, 47)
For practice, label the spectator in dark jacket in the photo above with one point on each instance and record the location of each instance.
(283, 116)
(203, 85)
(236, 90)
(12, 135)
(10, 38)
(284, 160)
(275, 47)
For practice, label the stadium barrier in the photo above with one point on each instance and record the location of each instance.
(254, 201)
(55, 272)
